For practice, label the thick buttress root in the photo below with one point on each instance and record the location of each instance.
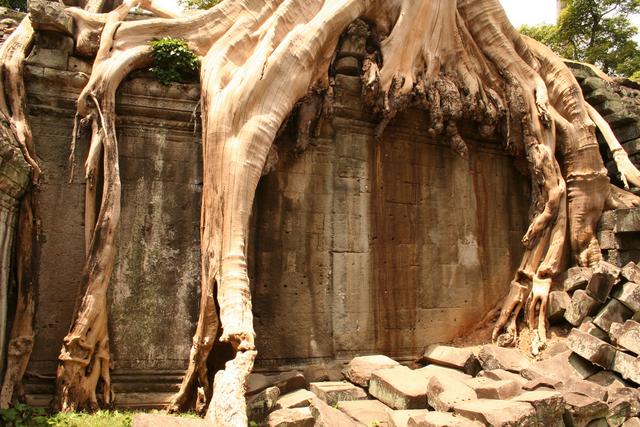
(466, 65)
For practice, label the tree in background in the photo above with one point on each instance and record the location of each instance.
(20, 5)
(594, 31)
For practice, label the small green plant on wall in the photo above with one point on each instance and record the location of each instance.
(173, 61)
(200, 4)
(23, 416)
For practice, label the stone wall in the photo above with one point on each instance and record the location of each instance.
(357, 246)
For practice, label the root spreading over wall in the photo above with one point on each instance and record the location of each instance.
(460, 61)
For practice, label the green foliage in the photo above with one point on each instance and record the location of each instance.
(173, 61)
(23, 416)
(97, 419)
(200, 4)
(20, 5)
(594, 31)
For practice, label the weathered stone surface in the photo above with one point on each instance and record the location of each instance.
(602, 280)
(486, 388)
(510, 359)
(591, 348)
(286, 382)
(347, 65)
(359, 369)
(453, 357)
(587, 388)
(613, 312)
(50, 16)
(590, 328)
(326, 416)
(582, 305)
(581, 409)
(549, 406)
(627, 366)
(401, 418)
(502, 375)
(562, 366)
(557, 305)
(296, 399)
(333, 392)
(291, 417)
(631, 395)
(319, 372)
(628, 336)
(399, 388)
(607, 379)
(632, 422)
(49, 58)
(367, 412)
(619, 412)
(431, 370)
(542, 383)
(629, 294)
(260, 405)
(631, 272)
(155, 420)
(498, 412)
(441, 419)
(627, 220)
(445, 392)
(576, 278)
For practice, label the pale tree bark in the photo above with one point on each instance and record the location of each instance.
(461, 61)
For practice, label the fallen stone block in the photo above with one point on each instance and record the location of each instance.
(557, 306)
(333, 392)
(431, 370)
(590, 328)
(629, 295)
(154, 420)
(399, 388)
(591, 348)
(631, 272)
(619, 412)
(445, 392)
(632, 422)
(50, 16)
(576, 278)
(602, 280)
(359, 370)
(291, 417)
(326, 416)
(632, 395)
(582, 305)
(367, 412)
(441, 419)
(286, 382)
(453, 357)
(613, 312)
(401, 418)
(563, 367)
(580, 410)
(587, 388)
(260, 405)
(486, 388)
(627, 366)
(502, 375)
(320, 372)
(607, 379)
(498, 413)
(542, 383)
(492, 356)
(296, 399)
(628, 336)
(549, 406)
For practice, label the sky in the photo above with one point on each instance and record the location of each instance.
(530, 13)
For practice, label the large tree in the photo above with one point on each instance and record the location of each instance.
(595, 31)
(461, 61)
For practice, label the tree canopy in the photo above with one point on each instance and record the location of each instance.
(594, 31)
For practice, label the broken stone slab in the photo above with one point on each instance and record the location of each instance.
(399, 388)
(401, 418)
(628, 336)
(542, 383)
(326, 416)
(492, 356)
(562, 367)
(627, 366)
(453, 357)
(502, 375)
(580, 410)
(498, 413)
(549, 406)
(444, 392)
(631, 272)
(557, 306)
(613, 312)
(296, 399)
(50, 16)
(602, 280)
(576, 278)
(590, 328)
(154, 420)
(582, 305)
(431, 370)
(587, 388)
(441, 419)
(359, 370)
(323, 372)
(619, 412)
(486, 388)
(291, 417)
(629, 394)
(628, 294)
(367, 412)
(260, 405)
(632, 422)
(591, 348)
(287, 382)
(607, 379)
(333, 392)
